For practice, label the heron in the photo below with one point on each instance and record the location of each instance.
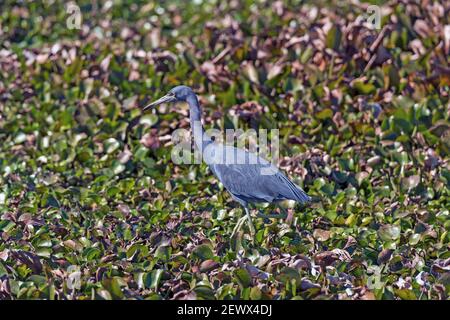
(249, 178)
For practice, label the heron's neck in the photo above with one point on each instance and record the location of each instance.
(200, 138)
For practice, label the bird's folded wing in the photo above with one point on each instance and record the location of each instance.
(246, 181)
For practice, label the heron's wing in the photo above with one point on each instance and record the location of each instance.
(244, 181)
(256, 182)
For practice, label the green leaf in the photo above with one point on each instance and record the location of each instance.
(3, 270)
(104, 294)
(92, 254)
(364, 88)
(325, 114)
(334, 36)
(255, 293)
(288, 274)
(111, 145)
(405, 294)
(114, 287)
(156, 276)
(243, 277)
(204, 292)
(149, 119)
(414, 239)
(389, 232)
(203, 252)
(6, 225)
(410, 182)
(163, 253)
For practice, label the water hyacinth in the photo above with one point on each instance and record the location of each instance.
(93, 207)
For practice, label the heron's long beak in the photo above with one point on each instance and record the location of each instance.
(166, 98)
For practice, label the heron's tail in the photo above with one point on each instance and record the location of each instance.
(299, 194)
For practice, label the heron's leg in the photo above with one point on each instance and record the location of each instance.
(238, 225)
(241, 222)
(250, 222)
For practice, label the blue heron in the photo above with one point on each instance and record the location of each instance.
(247, 177)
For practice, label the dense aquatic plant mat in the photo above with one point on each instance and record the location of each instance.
(92, 207)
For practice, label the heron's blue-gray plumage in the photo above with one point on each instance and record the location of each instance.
(250, 178)
(246, 176)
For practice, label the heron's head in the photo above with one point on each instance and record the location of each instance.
(177, 94)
